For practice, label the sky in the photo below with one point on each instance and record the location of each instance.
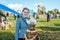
(31, 4)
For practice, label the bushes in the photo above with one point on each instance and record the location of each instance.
(49, 35)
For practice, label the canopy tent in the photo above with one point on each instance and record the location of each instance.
(3, 7)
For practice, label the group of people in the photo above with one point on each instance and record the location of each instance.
(25, 27)
(4, 24)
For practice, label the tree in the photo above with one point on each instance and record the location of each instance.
(41, 9)
(56, 11)
(51, 12)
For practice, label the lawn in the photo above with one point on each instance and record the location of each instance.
(47, 30)
(54, 24)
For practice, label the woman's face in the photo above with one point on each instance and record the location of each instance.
(25, 13)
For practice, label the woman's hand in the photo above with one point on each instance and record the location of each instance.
(25, 37)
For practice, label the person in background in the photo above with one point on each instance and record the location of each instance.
(7, 16)
(15, 16)
(22, 25)
(1, 23)
(37, 16)
(48, 17)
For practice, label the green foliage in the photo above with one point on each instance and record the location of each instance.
(51, 12)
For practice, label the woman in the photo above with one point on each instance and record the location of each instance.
(21, 25)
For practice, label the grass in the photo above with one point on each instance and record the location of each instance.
(43, 22)
(42, 26)
(6, 35)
